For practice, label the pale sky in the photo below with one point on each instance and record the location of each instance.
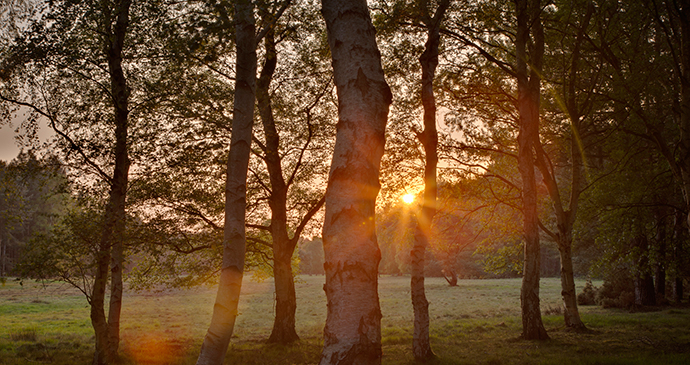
(8, 146)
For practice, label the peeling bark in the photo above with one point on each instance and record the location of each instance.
(352, 334)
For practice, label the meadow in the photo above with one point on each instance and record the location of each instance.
(477, 322)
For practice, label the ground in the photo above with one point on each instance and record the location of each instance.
(477, 322)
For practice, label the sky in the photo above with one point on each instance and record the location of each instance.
(8, 144)
(8, 147)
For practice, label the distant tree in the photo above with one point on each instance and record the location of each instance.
(311, 256)
(33, 196)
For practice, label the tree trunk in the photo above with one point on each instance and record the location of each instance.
(528, 109)
(217, 338)
(286, 300)
(110, 253)
(678, 238)
(421, 347)
(571, 314)
(97, 301)
(451, 276)
(644, 283)
(684, 145)
(352, 334)
(660, 264)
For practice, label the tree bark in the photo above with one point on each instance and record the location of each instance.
(643, 281)
(217, 338)
(684, 145)
(352, 334)
(660, 264)
(528, 109)
(283, 247)
(678, 256)
(421, 346)
(110, 252)
(571, 313)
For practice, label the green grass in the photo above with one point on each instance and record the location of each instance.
(477, 322)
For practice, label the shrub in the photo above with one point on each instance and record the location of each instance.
(618, 291)
(588, 294)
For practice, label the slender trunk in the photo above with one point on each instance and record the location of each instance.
(660, 264)
(571, 314)
(110, 253)
(684, 145)
(678, 256)
(451, 276)
(217, 338)
(565, 218)
(286, 300)
(421, 346)
(528, 109)
(97, 301)
(644, 283)
(352, 334)
(4, 254)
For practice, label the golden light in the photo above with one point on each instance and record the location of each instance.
(408, 198)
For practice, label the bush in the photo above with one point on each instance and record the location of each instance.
(588, 294)
(618, 291)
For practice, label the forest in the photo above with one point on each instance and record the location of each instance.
(198, 142)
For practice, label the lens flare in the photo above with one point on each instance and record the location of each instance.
(408, 198)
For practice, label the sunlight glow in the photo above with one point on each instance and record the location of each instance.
(408, 198)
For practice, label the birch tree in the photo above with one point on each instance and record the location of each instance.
(353, 325)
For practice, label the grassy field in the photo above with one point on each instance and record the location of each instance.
(477, 322)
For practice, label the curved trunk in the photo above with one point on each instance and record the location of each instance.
(421, 347)
(286, 300)
(528, 109)
(353, 324)
(217, 338)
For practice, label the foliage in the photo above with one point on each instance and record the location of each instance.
(33, 196)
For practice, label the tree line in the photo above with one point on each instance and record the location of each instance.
(531, 131)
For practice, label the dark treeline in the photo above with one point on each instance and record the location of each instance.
(195, 141)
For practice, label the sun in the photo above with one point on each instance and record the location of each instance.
(408, 198)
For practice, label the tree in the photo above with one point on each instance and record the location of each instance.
(528, 71)
(220, 331)
(283, 245)
(53, 42)
(429, 140)
(581, 132)
(353, 324)
(33, 196)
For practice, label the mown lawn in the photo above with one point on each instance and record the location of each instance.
(477, 322)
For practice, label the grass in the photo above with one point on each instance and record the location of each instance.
(477, 322)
